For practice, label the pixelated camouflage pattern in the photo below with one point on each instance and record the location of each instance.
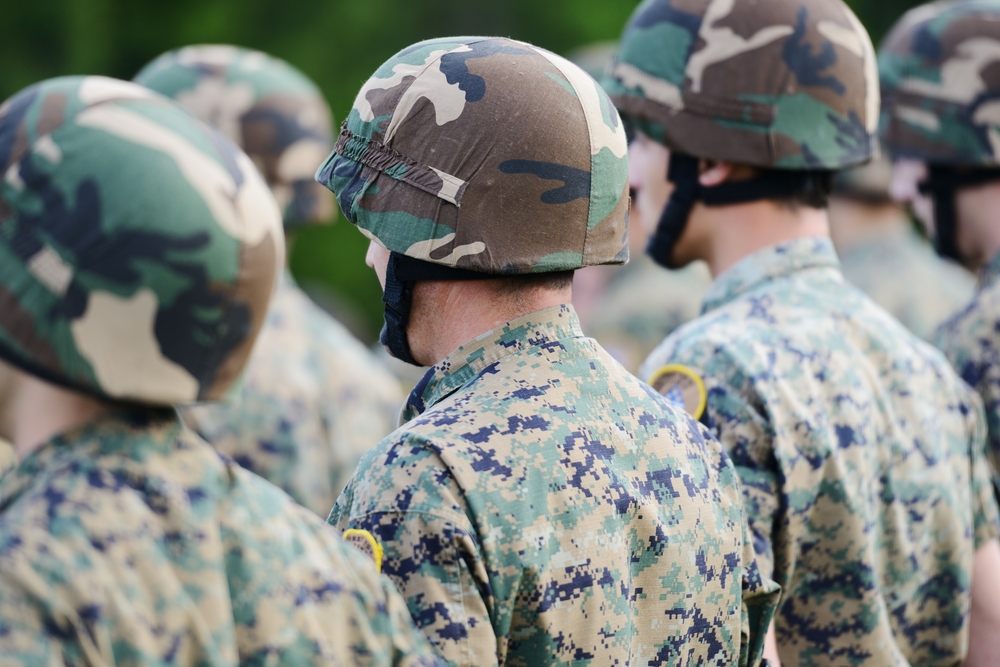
(131, 541)
(138, 246)
(266, 107)
(969, 340)
(861, 455)
(312, 401)
(941, 84)
(642, 304)
(900, 271)
(783, 84)
(486, 154)
(544, 507)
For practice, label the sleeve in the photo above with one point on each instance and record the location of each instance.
(747, 438)
(983, 477)
(761, 596)
(401, 643)
(431, 551)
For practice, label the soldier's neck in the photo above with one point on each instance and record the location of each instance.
(853, 223)
(449, 313)
(743, 229)
(41, 411)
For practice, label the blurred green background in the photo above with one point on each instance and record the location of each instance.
(336, 42)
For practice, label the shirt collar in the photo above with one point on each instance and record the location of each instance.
(772, 262)
(105, 432)
(524, 335)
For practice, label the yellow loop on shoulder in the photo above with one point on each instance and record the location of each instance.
(365, 541)
(682, 386)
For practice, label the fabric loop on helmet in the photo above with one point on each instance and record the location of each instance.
(380, 157)
(941, 184)
(683, 173)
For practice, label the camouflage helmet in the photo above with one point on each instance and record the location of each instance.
(138, 246)
(485, 154)
(786, 85)
(263, 104)
(940, 73)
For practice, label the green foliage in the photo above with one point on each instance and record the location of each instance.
(338, 43)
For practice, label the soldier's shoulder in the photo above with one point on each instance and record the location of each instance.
(973, 326)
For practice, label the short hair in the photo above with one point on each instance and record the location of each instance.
(514, 286)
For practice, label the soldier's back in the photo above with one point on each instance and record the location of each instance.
(314, 399)
(580, 516)
(855, 443)
(130, 541)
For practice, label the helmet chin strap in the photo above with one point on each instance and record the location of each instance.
(941, 184)
(401, 274)
(683, 173)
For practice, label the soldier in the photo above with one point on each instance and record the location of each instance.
(882, 253)
(138, 250)
(943, 132)
(314, 399)
(859, 450)
(540, 506)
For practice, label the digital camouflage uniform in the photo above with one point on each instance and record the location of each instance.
(940, 79)
(138, 250)
(540, 506)
(313, 399)
(860, 454)
(858, 448)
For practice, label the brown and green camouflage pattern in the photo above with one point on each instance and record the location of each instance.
(940, 75)
(789, 85)
(485, 154)
(138, 246)
(267, 107)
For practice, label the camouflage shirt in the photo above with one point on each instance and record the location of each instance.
(901, 272)
(643, 303)
(130, 541)
(313, 401)
(969, 339)
(860, 453)
(544, 507)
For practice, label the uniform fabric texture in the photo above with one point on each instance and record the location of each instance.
(861, 455)
(130, 541)
(541, 506)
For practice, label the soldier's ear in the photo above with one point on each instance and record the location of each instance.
(713, 172)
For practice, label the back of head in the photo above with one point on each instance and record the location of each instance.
(787, 88)
(138, 247)
(780, 84)
(940, 75)
(265, 106)
(478, 157)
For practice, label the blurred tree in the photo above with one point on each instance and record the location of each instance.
(338, 43)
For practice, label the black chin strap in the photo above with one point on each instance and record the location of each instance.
(683, 173)
(401, 274)
(941, 184)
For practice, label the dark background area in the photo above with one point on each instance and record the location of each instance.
(338, 43)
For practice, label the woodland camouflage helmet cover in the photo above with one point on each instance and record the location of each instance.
(138, 246)
(777, 83)
(940, 73)
(485, 154)
(263, 104)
